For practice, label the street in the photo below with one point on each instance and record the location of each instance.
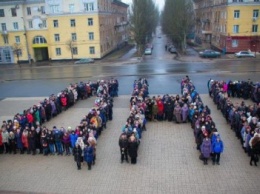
(168, 161)
(160, 69)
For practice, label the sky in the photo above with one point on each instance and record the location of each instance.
(160, 3)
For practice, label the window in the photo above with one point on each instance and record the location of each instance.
(6, 41)
(234, 43)
(238, 0)
(88, 6)
(72, 23)
(91, 35)
(15, 24)
(90, 21)
(54, 8)
(17, 39)
(73, 36)
(13, 10)
(28, 11)
(30, 24)
(7, 55)
(92, 50)
(55, 23)
(56, 37)
(2, 13)
(3, 25)
(236, 14)
(58, 51)
(42, 9)
(75, 50)
(71, 8)
(254, 28)
(39, 40)
(236, 29)
(255, 13)
(44, 24)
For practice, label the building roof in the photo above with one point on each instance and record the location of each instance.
(120, 3)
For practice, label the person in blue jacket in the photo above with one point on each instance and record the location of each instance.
(217, 149)
(89, 155)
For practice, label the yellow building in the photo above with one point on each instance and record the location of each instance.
(41, 30)
(228, 25)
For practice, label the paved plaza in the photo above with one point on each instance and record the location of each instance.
(168, 161)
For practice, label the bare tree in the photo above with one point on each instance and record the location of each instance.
(17, 50)
(144, 17)
(71, 44)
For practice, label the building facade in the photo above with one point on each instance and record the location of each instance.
(228, 25)
(38, 30)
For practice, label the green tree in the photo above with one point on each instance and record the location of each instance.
(144, 16)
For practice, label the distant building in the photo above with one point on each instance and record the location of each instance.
(228, 25)
(61, 29)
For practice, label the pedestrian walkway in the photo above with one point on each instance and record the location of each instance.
(168, 161)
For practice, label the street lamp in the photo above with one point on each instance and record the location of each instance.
(26, 42)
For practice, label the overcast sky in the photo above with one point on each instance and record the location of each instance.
(160, 3)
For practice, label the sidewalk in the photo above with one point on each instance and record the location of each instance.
(168, 161)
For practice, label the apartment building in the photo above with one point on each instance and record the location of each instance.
(228, 25)
(41, 30)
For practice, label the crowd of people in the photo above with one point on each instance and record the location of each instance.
(243, 119)
(26, 131)
(240, 89)
(131, 135)
(207, 137)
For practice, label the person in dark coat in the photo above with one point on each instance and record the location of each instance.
(77, 152)
(89, 155)
(32, 141)
(123, 144)
(132, 148)
(19, 143)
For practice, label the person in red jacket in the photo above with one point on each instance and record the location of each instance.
(30, 119)
(160, 106)
(63, 100)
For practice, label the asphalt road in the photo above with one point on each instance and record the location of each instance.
(160, 68)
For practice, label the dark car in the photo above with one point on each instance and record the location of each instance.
(173, 50)
(85, 60)
(209, 54)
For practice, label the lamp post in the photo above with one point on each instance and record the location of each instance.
(26, 42)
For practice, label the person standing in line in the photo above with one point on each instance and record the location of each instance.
(205, 149)
(217, 149)
(123, 143)
(89, 155)
(77, 152)
(132, 148)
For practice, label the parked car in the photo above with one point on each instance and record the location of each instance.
(209, 54)
(244, 54)
(148, 51)
(84, 61)
(173, 50)
(149, 45)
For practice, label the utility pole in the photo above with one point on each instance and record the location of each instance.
(26, 42)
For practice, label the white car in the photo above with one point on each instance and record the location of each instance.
(148, 51)
(244, 54)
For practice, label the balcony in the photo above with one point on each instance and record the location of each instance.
(4, 33)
